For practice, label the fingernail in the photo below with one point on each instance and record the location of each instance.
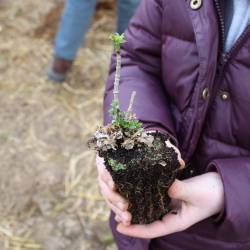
(174, 212)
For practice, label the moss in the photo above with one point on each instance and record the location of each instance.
(116, 166)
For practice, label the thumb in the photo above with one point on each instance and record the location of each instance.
(179, 190)
(177, 151)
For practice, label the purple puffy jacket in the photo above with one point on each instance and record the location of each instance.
(188, 88)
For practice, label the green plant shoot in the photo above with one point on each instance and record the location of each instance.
(116, 166)
(117, 40)
(121, 119)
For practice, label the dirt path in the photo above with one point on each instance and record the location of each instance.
(49, 197)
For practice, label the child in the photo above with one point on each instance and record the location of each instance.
(189, 62)
(74, 24)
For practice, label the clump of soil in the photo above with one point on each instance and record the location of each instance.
(148, 173)
(142, 166)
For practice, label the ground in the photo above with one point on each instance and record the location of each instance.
(49, 197)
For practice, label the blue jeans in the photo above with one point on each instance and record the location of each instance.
(76, 19)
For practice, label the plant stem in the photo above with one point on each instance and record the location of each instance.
(117, 77)
(131, 102)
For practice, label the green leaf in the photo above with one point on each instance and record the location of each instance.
(114, 109)
(117, 40)
(127, 124)
(116, 166)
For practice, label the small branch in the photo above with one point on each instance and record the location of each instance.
(117, 77)
(117, 40)
(131, 102)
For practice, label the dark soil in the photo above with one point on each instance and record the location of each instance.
(146, 179)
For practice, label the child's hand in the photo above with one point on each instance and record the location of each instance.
(195, 200)
(170, 145)
(116, 202)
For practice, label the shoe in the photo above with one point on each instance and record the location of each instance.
(58, 69)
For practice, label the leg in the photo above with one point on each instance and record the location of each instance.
(125, 10)
(75, 21)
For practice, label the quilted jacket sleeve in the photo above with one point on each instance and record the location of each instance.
(234, 221)
(141, 71)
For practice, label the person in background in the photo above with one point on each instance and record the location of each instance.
(74, 24)
(189, 62)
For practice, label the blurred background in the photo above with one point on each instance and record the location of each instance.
(49, 197)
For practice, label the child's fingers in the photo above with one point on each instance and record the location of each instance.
(170, 145)
(124, 216)
(100, 162)
(170, 223)
(100, 165)
(180, 190)
(106, 177)
(116, 202)
(101, 168)
(118, 219)
(103, 173)
(112, 196)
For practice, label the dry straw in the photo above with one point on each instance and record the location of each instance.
(47, 172)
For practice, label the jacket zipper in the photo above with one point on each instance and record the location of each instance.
(221, 24)
(237, 44)
(226, 56)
